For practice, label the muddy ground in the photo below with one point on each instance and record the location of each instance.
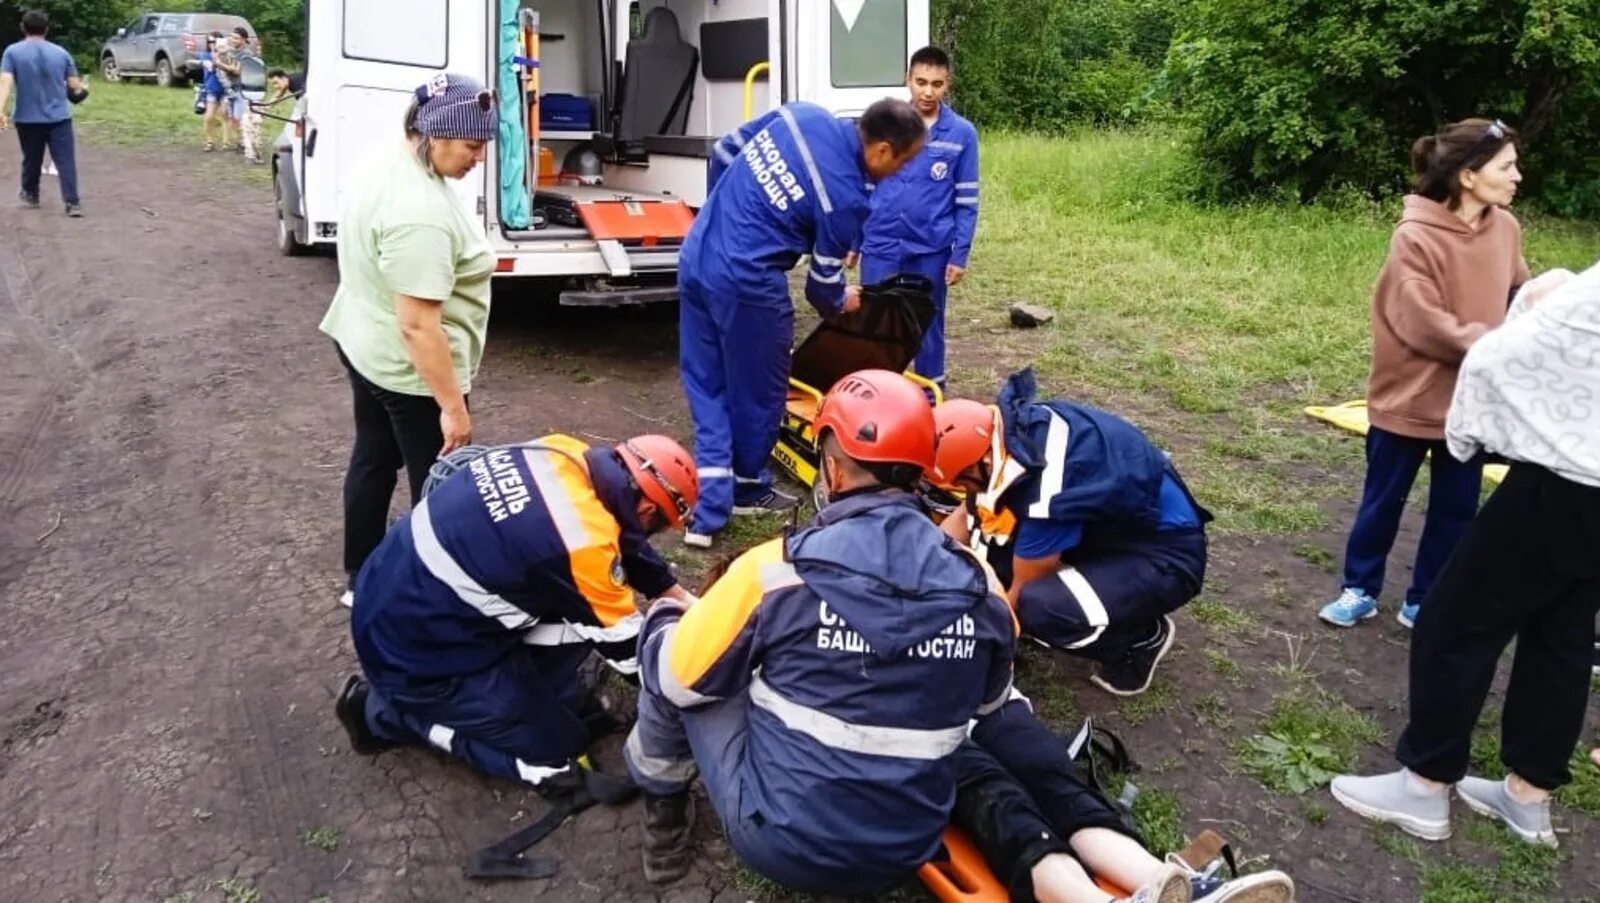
(173, 432)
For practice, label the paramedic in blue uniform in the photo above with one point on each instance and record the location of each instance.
(792, 182)
(473, 615)
(1087, 523)
(822, 687)
(924, 216)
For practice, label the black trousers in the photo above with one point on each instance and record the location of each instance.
(1020, 798)
(393, 430)
(1527, 569)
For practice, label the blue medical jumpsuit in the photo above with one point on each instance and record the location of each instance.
(473, 615)
(923, 218)
(789, 183)
(1088, 488)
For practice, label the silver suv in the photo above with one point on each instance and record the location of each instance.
(165, 46)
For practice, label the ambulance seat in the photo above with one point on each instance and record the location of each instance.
(657, 83)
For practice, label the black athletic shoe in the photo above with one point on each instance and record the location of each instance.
(668, 851)
(351, 709)
(75, 211)
(1132, 674)
(29, 201)
(773, 502)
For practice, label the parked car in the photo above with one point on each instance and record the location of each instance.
(165, 46)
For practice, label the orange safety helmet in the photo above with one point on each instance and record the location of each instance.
(879, 417)
(965, 432)
(665, 474)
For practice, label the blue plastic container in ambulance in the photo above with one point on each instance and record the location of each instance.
(565, 113)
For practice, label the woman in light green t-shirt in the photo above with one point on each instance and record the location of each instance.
(412, 308)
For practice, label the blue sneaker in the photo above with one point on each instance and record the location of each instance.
(1408, 614)
(1352, 606)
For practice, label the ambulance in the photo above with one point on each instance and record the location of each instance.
(609, 111)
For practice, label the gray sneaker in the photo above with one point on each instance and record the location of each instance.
(1398, 799)
(1491, 798)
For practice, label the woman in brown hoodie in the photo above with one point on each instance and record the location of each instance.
(1454, 262)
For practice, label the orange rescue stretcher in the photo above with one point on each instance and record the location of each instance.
(884, 334)
(962, 876)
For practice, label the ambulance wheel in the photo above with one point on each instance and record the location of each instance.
(819, 493)
(288, 243)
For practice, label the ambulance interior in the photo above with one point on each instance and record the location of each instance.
(647, 123)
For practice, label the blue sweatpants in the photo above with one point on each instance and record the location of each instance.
(733, 357)
(1392, 464)
(516, 720)
(930, 359)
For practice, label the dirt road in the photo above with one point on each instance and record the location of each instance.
(173, 432)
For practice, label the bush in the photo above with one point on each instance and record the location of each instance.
(1308, 95)
(1040, 65)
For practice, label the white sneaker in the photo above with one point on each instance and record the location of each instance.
(697, 540)
(348, 600)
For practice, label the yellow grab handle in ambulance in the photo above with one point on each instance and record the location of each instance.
(930, 385)
(750, 88)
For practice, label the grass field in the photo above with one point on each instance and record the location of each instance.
(140, 114)
(1211, 328)
(1220, 324)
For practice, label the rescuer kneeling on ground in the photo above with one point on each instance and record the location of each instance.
(822, 687)
(473, 616)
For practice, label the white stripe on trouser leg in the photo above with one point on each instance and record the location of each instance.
(1094, 611)
(441, 736)
(667, 771)
(538, 774)
(714, 473)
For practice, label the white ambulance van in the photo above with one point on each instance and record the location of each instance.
(610, 109)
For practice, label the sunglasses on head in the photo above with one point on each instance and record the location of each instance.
(650, 468)
(486, 100)
(1496, 131)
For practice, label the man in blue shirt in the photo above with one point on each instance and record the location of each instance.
(791, 182)
(46, 83)
(923, 218)
(1087, 523)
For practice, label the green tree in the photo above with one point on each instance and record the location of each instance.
(1043, 64)
(81, 26)
(1308, 95)
(280, 23)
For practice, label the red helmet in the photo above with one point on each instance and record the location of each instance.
(879, 417)
(665, 474)
(965, 432)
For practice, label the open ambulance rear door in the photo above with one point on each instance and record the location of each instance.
(364, 59)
